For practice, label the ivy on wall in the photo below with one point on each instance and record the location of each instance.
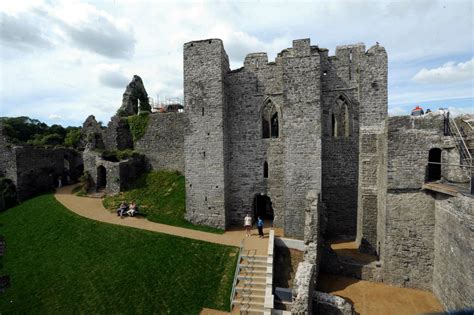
(138, 124)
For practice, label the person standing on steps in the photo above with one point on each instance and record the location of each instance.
(260, 226)
(248, 224)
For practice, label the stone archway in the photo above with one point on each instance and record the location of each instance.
(262, 206)
(101, 177)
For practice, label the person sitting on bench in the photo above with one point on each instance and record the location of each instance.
(122, 208)
(133, 209)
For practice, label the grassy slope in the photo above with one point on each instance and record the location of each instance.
(62, 263)
(162, 196)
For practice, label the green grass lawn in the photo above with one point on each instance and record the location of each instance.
(61, 263)
(162, 196)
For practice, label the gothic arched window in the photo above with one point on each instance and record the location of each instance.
(341, 119)
(270, 121)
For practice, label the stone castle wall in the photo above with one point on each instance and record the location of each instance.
(453, 274)
(250, 87)
(163, 141)
(340, 153)
(409, 244)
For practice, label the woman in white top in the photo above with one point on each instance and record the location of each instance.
(248, 224)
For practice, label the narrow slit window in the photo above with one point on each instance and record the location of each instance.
(265, 170)
(202, 111)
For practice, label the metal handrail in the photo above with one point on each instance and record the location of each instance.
(237, 271)
(462, 140)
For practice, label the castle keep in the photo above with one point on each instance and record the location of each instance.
(284, 129)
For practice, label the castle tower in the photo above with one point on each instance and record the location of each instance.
(372, 151)
(205, 151)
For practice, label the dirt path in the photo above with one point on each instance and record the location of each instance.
(92, 208)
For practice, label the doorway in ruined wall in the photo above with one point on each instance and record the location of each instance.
(101, 177)
(434, 166)
(262, 206)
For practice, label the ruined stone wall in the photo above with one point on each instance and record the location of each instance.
(163, 142)
(302, 131)
(205, 65)
(117, 136)
(453, 276)
(37, 169)
(408, 256)
(340, 153)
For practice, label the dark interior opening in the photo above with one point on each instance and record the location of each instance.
(434, 170)
(265, 128)
(265, 170)
(333, 126)
(263, 207)
(274, 124)
(101, 177)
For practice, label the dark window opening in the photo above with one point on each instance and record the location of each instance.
(263, 207)
(325, 72)
(101, 177)
(333, 126)
(434, 168)
(265, 170)
(274, 125)
(265, 129)
(202, 111)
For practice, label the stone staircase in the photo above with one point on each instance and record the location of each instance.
(251, 284)
(252, 289)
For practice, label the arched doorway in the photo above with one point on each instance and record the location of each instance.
(101, 177)
(434, 168)
(262, 206)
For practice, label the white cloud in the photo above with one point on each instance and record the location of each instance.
(112, 76)
(55, 117)
(22, 32)
(450, 72)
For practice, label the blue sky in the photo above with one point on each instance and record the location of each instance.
(63, 60)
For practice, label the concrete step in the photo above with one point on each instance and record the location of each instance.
(258, 279)
(262, 263)
(255, 267)
(250, 289)
(251, 285)
(255, 257)
(245, 305)
(244, 297)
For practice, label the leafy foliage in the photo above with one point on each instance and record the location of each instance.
(162, 197)
(73, 137)
(138, 124)
(62, 263)
(23, 129)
